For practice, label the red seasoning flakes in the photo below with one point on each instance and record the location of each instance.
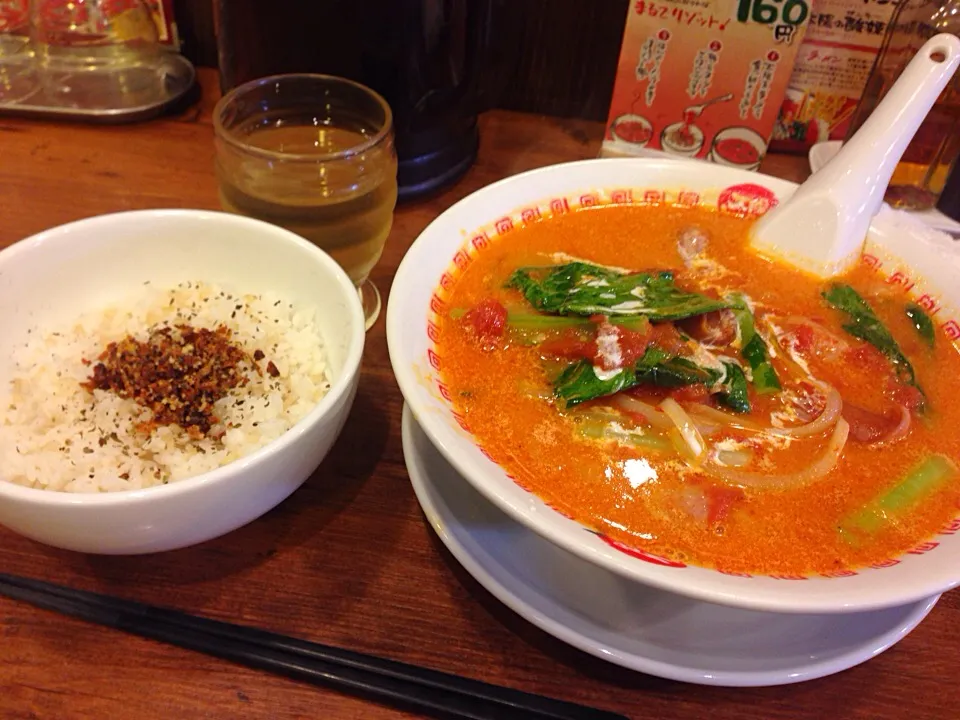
(179, 372)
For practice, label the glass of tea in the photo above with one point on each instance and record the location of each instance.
(313, 154)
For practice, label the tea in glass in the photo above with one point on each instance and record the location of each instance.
(313, 154)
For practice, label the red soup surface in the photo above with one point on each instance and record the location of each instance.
(641, 370)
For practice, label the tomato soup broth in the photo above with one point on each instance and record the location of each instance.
(751, 502)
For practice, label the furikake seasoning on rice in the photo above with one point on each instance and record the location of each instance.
(158, 387)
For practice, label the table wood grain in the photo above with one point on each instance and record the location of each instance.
(348, 559)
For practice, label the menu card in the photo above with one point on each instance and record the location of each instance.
(704, 78)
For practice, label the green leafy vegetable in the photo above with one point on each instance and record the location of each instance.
(660, 368)
(926, 478)
(735, 396)
(579, 382)
(754, 350)
(922, 322)
(865, 324)
(579, 288)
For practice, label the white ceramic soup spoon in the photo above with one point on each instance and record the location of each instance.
(822, 227)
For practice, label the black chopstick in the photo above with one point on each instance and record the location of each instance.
(389, 681)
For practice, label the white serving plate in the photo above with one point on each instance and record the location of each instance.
(627, 623)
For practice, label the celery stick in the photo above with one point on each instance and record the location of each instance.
(926, 478)
(538, 321)
(602, 431)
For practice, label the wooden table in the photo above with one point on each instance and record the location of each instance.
(347, 560)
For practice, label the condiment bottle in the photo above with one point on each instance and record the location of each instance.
(921, 174)
(949, 202)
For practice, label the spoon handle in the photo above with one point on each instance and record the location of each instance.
(873, 152)
(822, 228)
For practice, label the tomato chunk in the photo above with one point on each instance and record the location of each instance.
(633, 345)
(803, 339)
(569, 346)
(868, 359)
(866, 426)
(666, 337)
(488, 319)
(695, 393)
(618, 347)
(720, 501)
(906, 395)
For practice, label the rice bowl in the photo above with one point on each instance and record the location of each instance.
(51, 280)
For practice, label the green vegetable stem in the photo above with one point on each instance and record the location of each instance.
(754, 350)
(921, 482)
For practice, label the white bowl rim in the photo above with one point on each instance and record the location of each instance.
(441, 434)
(341, 384)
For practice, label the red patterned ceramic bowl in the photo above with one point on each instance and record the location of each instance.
(918, 262)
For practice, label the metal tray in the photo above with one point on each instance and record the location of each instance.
(174, 78)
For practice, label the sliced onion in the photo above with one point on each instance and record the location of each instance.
(706, 427)
(902, 428)
(825, 420)
(709, 414)
(733, 458)
(686, 428)
(654, 417)
(792, 481)
(534, 390)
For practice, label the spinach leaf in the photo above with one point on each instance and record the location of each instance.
(754, 350)
(579, 382)
(579, 288)
(922, 322)
(735, 396)
(660, 368)
(865, 324)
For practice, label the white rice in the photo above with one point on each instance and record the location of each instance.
(56, 435)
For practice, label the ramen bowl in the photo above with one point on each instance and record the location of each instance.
(905, 253)
(738, 147)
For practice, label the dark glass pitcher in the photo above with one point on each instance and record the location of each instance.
(437, 62)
